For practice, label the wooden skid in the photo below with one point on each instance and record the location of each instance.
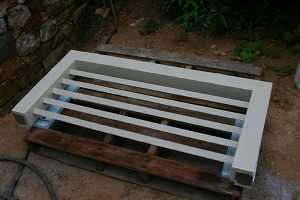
(142, 162)
(179, 109)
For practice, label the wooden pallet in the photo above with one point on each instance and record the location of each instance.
(147, 162)
(174, 134)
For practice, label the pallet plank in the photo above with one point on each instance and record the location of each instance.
(174, 58)
(154, 165)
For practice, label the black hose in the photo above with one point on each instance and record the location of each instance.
(35, 170)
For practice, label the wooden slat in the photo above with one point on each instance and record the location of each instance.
(135, 136)
(144, 123)
(160, 88)
(178, 104)
(149, 111)
(154, 165)
(174, 58)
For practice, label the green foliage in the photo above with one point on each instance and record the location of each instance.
(284, 71)
(232, 15)
(149, 26)
(195, 14)
(247, 51)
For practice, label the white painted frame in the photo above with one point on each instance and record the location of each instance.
(234, 91)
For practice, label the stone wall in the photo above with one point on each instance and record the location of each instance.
(40, 32)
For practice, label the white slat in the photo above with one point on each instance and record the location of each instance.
(135, 136)
(168, 102)
(149, 111)
(159, 88)
(143, 123)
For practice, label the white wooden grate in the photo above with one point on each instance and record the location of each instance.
(218, 101)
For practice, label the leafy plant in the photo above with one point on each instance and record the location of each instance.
(247, 51)
(149, 26)
(232, 15)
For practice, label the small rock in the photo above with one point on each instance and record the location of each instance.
(27, 43)
(48, 30)
(199, 52)
(219, 53)
(2, 26)
(213, 46)
(102, 12)
(137, 22)
(3, 8)
(21, 1)
(18, 16)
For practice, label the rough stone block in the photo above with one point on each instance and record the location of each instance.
(27, 43)
(18, 16)
(48, 30)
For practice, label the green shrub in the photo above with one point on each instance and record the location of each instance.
(248, 51)
(232, 15)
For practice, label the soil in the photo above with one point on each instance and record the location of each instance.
(278, 174)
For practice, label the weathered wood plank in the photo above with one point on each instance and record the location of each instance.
(174, 58)
(142, 162)
(108, 137)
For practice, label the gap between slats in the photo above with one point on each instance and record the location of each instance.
(135, 136)
(153, 99)
(154, 87)
(149, 111)
(139, 122)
